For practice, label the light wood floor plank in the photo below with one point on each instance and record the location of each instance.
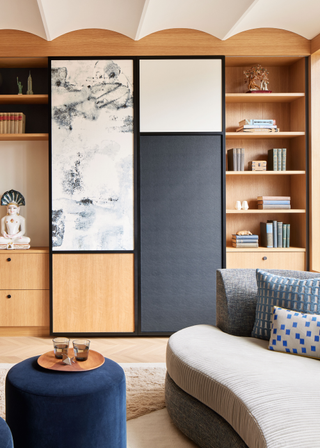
(133, 350)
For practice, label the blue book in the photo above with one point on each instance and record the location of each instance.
(275, 202)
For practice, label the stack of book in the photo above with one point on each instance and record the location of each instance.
(236, 159)
(12, 123)
(274, 234)
(277, 159)
(274, 202)
(257, 125)
(245, 240)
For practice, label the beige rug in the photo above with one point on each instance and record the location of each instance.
(145, 388)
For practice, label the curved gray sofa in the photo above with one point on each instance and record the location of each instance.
(226, 389)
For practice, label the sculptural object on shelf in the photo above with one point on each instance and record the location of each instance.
(20, 86)
(257, 78)
(29, 91)
(13, 224)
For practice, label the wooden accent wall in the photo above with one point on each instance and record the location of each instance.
(94, 42)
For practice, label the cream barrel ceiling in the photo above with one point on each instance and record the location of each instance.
(136, 19)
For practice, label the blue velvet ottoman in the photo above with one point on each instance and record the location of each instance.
(50, 409)
(5, 435)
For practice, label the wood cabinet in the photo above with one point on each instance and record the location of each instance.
(287, 105)
(93, 293)
(24, 293)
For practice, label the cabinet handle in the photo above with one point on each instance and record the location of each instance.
(8, 259)
(264, 258)
(9, 296)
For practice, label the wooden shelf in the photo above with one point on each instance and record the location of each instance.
(32, 250)
(257, 211)
(265, 249)
(264, 173)
(262, 97)
(24, 99)
(23, 137)
(247, 135)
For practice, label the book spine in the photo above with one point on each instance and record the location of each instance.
(274, 198)
(272, 160)
(1, 122)
(12, 123)
(284, 235)
(238, 160)
(232, 159)
(284, 159)
(274, 202)
(279, 159)
(24, 118)
(273, 207)
(256, 244)
(5, 123)
(280, 234)
(266, 234)
(241, 159)
(288, 236)
(16, 122)
(252, 121)
(275, 230)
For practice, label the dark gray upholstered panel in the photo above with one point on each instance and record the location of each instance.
(198, 422)
(237, 297)
(180, 209)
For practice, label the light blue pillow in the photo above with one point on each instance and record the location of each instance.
(296, 333)
(302, 295)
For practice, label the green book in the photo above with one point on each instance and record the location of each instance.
(288, 236)
(279, 159)
(284, 159)
(284, 235)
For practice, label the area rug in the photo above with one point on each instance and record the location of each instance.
(145, 388)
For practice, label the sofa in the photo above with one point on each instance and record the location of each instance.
(226, 389)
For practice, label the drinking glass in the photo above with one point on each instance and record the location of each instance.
(81, 349)
(60, 347)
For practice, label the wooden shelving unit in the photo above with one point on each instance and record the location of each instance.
(23, 137)
(286, 104)
(23, 99)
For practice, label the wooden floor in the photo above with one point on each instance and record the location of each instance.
(16, 349)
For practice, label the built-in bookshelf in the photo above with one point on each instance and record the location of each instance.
(286, 104)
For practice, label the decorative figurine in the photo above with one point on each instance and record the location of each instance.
(20, 86)
(13, 225)
(257, 78)
(29, 91)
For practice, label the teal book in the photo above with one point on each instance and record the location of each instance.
(288, 236)
(280, 224)
(279, 159)
(284, 159)
(272, 164)
(284, 235)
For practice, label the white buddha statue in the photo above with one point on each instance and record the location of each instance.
(13, 225)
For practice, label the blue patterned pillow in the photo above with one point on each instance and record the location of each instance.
(295, 333)
(291, 293)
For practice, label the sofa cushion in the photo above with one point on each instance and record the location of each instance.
(291, 293)
(269, 398)
(296, 333)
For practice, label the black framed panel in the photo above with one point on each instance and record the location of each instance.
(180, 229)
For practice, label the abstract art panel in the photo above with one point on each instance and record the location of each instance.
(92, 154)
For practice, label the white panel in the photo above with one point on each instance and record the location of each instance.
(23, 16)
(180, 95)
(25, 168)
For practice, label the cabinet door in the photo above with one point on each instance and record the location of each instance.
(181, 225)
(93, 293)
(24, 271)
(20, 308)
